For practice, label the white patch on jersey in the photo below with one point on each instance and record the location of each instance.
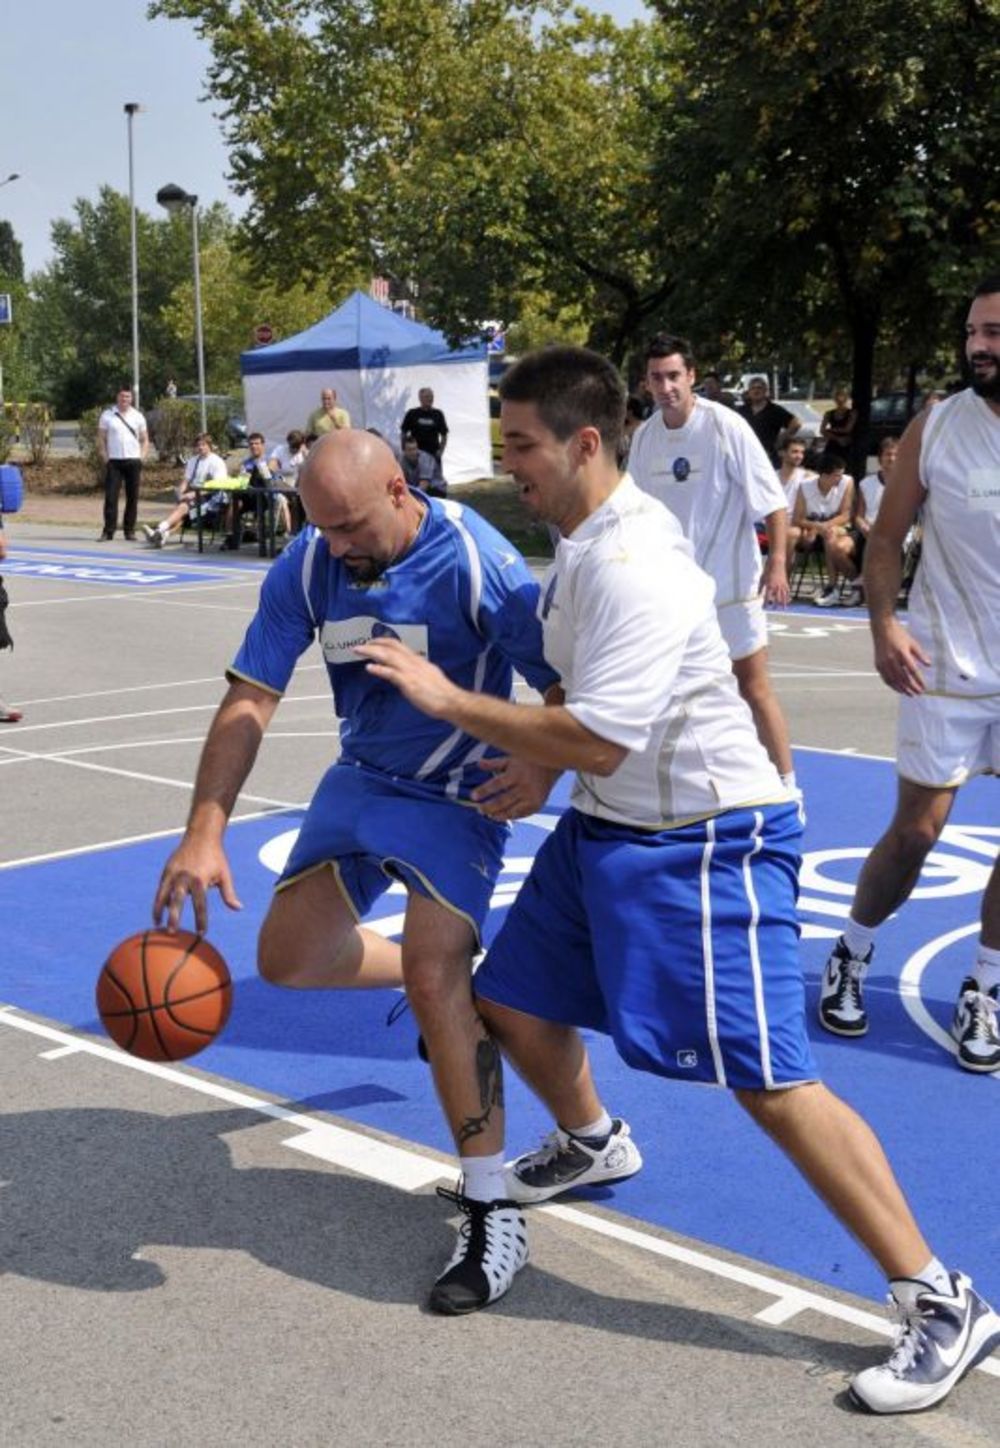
(984, 489)
(340, 637)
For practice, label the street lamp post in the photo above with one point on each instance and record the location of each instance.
(175, 200)
(130, 108)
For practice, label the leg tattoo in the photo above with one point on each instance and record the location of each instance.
(489, 1078)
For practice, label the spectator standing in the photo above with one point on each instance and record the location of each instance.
(171, 389)
(768, 419)
(711, 387)
(122, 444)
(206, 466)
(7, 715)
(707, 466)
(837, 425)
(429, 426)
(328, 417)
(946, 666)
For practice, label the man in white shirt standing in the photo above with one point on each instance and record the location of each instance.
(661, 909)
(945, 665)
(704, 462)
(122, 444)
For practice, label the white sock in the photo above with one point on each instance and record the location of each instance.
(789, 781)
(598, 1130)
(858, 938)
(987, 967)
(483, 1177)
(935, 1275)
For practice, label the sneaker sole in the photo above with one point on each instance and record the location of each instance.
(516, 1188)
(440, 1303)
(841, 1030)
(977, 1068)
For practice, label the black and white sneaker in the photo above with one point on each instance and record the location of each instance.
(562, 1161)
(974, 1027)
(827, 598)
(841, 1002)
(492, 1248)
(936, 1343)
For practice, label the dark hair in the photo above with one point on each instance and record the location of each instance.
(258, 435)
(410, 437)
(571, 387)
(665, 344)
(989, 286)
(884, 443)
(635, 407)
(830, 460)
(295, 439)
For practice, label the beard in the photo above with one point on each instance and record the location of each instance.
(985, 385)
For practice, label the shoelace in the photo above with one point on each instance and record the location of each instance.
(850, 979)
(909, 1339)
(548, 1149)
(983, 1010)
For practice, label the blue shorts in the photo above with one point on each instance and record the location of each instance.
(373, 830)
(681, 944)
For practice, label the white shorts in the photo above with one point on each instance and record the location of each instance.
(743, 626)
(943, 741)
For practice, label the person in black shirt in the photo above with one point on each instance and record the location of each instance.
(429, 426)
(767, 419)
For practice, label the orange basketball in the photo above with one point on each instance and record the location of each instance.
(163, 996)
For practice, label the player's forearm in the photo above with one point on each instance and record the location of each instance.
(776, 527)
(883, 570)
(227, 758)
(545, 734)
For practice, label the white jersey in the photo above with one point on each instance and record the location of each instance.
(791, 486)
(201, 470)
(872, 488)
(630, 627)
(820, 506)
(716, 479)
(955, 600)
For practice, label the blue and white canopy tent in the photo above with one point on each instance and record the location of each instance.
(377, 361)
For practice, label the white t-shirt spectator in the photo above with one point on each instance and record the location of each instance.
(123, 432)
(791, 485)
(819, 505)
(201, 470)
(286, 462)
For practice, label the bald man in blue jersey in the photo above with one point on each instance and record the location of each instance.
(382, 560)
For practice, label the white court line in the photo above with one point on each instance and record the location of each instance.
(142, 688)
(778, 673)
(137, 595)
(410, 1169)
(153, 714)
(26, 757)
(850, 753)
(93, 846)
(68, 754)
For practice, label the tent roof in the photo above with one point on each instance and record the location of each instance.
(360, 333)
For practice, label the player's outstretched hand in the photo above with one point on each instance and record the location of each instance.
(516, 790)
(899, 659)
(417, 679)
(774, 583)
(192, 870)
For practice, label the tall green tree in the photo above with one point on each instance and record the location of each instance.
(476, 150)
(82, 320)
(836, 166)
(16, 370)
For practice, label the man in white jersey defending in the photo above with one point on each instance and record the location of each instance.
(946, 666)
(705, 463)
(661, 910)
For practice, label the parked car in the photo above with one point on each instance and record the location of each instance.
(889, 415)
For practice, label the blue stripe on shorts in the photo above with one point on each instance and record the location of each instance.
(379, 830)
(680, 944)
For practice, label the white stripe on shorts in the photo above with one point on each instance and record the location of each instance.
(758, 980)
(711, 1016)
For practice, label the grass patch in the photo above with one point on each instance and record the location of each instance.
(496, 499)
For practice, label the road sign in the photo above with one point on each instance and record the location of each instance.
(6, 314)
(263, 334)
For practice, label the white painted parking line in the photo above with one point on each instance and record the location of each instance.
(412, 1169)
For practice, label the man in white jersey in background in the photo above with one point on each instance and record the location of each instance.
(946, 666)
(705, 463)
(661, 909)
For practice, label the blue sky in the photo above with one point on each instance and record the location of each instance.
(69, 67)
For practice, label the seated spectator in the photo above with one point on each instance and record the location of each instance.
(259, 477)
(206, 466)
(822, 515)
(866, 511)
(7, 715)
(837, 426)
(288, 457)
(420, 469)
(792, 470)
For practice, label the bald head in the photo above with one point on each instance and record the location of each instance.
(353, 491)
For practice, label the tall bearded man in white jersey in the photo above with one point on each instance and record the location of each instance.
(706, 464)
(946, 667)
(661, 909)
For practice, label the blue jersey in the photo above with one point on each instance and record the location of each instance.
(461, 596)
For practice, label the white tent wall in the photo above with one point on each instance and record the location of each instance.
(378, 397)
